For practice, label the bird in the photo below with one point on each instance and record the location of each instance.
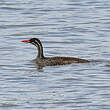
(41, 60)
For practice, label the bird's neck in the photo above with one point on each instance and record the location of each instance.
(40, 51)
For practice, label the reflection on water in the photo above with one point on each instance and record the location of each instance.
(66, 28)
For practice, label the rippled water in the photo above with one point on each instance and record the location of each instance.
(79, 28)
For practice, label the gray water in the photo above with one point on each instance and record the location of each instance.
(77, 28)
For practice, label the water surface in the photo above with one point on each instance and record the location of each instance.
(67, 28)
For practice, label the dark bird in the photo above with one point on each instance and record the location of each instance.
(41, 60)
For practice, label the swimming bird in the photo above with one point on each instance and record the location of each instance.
(41, 60)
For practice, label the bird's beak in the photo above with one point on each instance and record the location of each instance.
(26, 41)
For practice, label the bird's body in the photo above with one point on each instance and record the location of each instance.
(52, 61)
